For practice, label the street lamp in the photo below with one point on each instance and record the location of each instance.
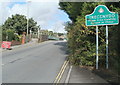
(28, 17)
(38, 33)
(30, 34)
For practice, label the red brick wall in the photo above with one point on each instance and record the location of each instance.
(13, 43)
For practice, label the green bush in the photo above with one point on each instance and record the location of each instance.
(16, 37)
(3, 35)
(10, 34)
(0, 33)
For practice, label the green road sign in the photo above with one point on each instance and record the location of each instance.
(102, 16)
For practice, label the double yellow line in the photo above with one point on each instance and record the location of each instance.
(59, 76)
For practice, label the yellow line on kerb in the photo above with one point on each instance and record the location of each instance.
(59, 76)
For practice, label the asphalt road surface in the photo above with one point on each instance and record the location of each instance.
(38, 63)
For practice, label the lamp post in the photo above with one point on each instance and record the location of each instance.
(30, 34)
(38, 33)
(28, 18)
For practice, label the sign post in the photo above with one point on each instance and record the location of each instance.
(100, 17)
(106, 47)
(96, 47)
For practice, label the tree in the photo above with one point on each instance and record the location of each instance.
(51, 33)
(10, 35)
(60, 34)
(33, 25)
(0, 33)
(70, 9)
(19, 23)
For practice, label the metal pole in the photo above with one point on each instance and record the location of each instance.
(2, 11)
(38, 32)
(96, 47)
(27, 17)
(30, 34)
(106, 47)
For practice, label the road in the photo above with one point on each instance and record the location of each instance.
(38, 63)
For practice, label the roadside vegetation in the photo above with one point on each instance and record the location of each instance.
(82, 39)
(15, 26)
(0, 33)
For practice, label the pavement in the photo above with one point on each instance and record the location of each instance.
(85, 76)
(33, 42)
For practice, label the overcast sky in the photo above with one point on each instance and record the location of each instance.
(45, 12)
